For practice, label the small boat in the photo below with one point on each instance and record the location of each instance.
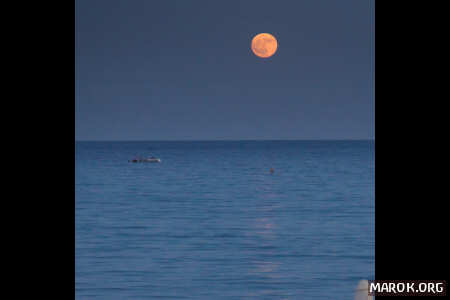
(150, 160)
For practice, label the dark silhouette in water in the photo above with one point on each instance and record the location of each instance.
(140, 159)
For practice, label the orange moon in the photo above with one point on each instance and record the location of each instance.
(264, 45)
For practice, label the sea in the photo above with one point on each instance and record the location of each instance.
(210, 221)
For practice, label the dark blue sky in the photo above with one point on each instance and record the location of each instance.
(172, 70)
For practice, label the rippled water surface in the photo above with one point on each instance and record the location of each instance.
(211, 222)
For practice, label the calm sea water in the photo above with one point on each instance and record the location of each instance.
(211, 222)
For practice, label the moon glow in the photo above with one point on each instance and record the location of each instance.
(264, 45)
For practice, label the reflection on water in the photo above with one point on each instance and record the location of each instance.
(264, 230)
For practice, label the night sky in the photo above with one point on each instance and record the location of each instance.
(184, 70)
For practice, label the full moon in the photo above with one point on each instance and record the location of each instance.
(264, 45)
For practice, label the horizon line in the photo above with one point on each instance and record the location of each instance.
(224, 140)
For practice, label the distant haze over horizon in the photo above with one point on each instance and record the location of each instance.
(184, 70)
